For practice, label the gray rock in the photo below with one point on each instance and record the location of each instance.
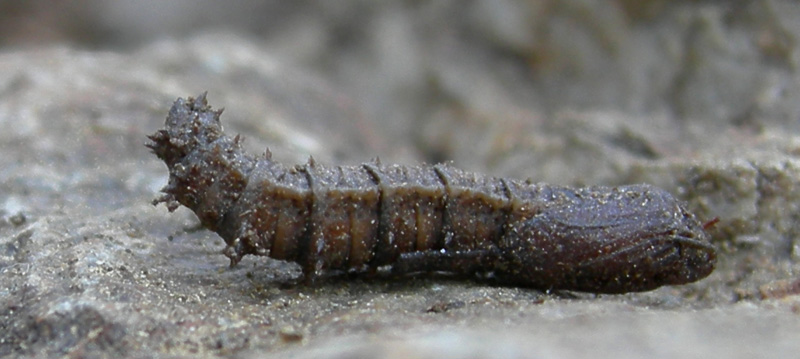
(695, 97)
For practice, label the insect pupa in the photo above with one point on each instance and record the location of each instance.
(426, 218)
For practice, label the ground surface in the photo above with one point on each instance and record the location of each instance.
(698, 98)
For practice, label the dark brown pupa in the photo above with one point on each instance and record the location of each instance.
(426, 218)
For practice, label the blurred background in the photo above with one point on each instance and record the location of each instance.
(480, 81)
(698, 97)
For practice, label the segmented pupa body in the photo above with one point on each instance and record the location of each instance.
(426, 218)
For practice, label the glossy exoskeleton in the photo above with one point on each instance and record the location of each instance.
(426, 218)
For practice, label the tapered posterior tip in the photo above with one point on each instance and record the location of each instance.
(610, 240)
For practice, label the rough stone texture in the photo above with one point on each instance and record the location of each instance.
(697, 97)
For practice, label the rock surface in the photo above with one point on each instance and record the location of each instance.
(695, 97)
